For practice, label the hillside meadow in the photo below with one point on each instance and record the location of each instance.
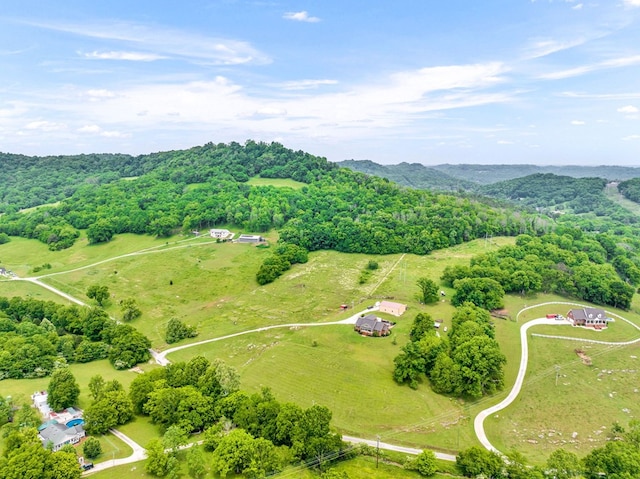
(212, 286)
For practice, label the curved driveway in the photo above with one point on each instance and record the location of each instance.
(478, 423)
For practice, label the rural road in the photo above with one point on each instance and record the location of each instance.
(138, 454)
(478, 423)
(161, 358)
(392, 447)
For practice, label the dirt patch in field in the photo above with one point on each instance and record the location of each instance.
(586, 360)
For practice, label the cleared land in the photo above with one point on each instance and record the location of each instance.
(214, 288)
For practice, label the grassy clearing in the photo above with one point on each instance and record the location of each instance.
(612, 192)
(21, 255)
(10, 288)
(585, 399)
(22, 389)
(277, 182)
(214, 288)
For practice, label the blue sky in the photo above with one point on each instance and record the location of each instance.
(428, 81)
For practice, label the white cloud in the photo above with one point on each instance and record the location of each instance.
(578, 6)
(628, 109)
(306, 84)
(578, 122)
(115, 134)
(129, 56)
(160, 42)
(90, 129)
(543, 47)
(101, 93)
(300, 17)
(572, 72)
(631, 137)
(632, 3)
(45, 126)
(504, 142)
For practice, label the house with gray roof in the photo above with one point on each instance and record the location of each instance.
(59, 435)
(371, 325)
(589, 317)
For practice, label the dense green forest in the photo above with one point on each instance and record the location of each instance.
(206, 186)
(38, 336)
(630, 189)
(29, 181)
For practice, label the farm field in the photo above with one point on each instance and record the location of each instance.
(214, 289)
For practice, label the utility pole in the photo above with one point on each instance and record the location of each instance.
(377, 450)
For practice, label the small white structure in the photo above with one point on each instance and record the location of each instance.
(220, 234)
(389, 307)
(39, 399)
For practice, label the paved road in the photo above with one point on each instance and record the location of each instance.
(392, 447)
(138, 454)
(478, 423)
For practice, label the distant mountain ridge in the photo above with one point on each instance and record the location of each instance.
(414, 175)
(449, 177)
(487, 174)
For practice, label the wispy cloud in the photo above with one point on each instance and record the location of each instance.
(577, 71)
(628, 109)
(300, 17)
(631, 137)
(632, 3)
(306, 84)
(160, 42)
(543, 47)
(600, 96)
(578, 122)
(129, 56)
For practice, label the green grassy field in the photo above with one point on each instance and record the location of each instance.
(214, 289)
(277, 182)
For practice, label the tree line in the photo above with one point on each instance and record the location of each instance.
(569, 263)
(38, 336)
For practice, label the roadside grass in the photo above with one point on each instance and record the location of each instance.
(112, 448)
(277, 182)
(360, 467)
(25, 289)
(141, 430)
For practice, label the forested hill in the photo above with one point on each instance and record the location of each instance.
(207, 186)
(31, 181)
(413, 175)
(487, 174)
